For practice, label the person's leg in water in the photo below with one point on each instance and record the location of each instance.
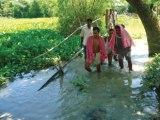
(110, 59)
(85, 53)
(98, 67)
(87, 67)
(128, 58)
(115, 56)
(129, 63)
(120, 60)
(97, 61)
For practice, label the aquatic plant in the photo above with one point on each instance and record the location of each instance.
(19, 48)
(80, 82)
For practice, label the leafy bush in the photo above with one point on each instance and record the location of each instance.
(80, 83)
(152, 73)
(121, 9)
(2, 81)
(28, 9)
(131, 9)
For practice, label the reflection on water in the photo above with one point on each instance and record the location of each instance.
(111, 95)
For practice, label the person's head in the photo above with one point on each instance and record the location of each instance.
(110, 31)
(89, 22)
(96, 31)
(118, 29)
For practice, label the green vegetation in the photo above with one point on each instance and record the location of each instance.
(80, 83)
(21, 40)
(20, 44)
(152, 74)
(73, 13)
(10, 25)
(28, 8)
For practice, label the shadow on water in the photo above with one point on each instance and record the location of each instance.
(112, 94)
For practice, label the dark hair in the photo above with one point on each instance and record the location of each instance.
(110, 30)
(96, 28)
(89, 20)
(117, 27)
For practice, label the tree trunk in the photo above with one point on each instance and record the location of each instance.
(150, 23)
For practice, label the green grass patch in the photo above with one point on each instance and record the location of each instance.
(152, 74)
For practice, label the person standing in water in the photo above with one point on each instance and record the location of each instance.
(96, 52)
(120, 44)
(86, 31)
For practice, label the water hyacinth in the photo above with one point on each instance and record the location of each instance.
(20, 46)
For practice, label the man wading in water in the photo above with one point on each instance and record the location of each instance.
(120, 44)
(95, 49)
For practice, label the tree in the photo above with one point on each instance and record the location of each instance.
(21, 9)
(73, 13)
(150, 23)
(35, 10)
(6, 8)
(155, 6)
(48, 7)
(130, 9)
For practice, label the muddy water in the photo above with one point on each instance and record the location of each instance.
(113, 94)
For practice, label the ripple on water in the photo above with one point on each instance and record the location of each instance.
(136, 83)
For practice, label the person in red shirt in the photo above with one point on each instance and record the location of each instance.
(95, 49)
